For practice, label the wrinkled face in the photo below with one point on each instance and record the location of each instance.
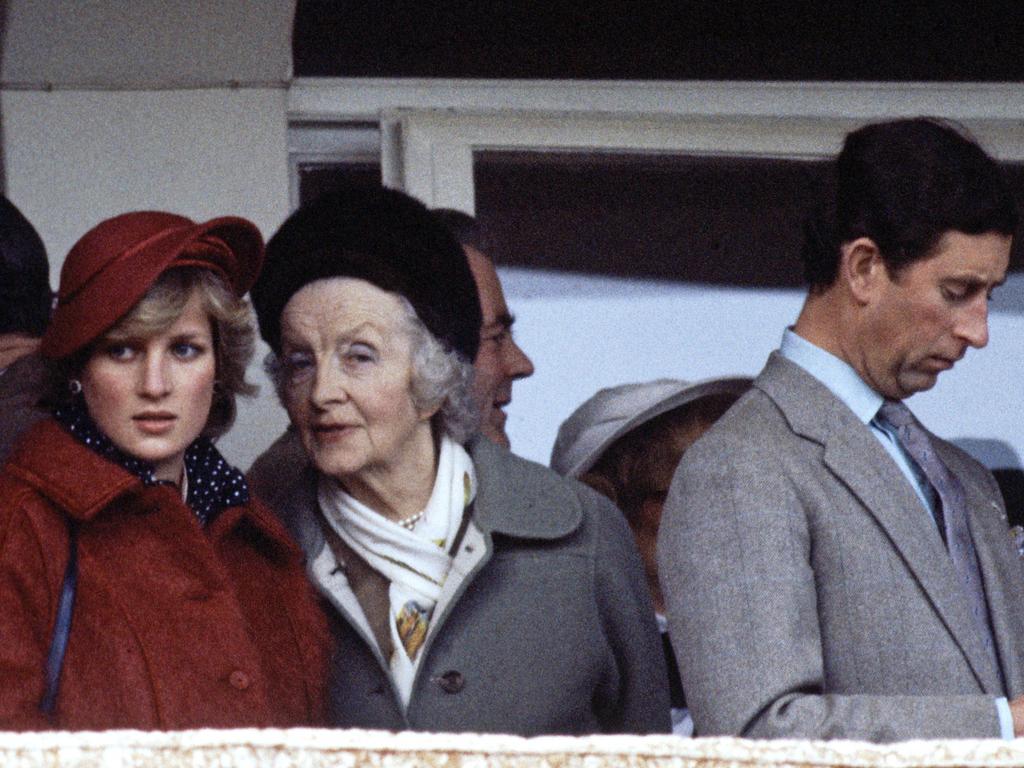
(499, 361)
(152, 396)
(921, 322)
(347, 365)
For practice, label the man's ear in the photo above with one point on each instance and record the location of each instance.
(861, 268)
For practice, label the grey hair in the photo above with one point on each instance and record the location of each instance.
(441, 378)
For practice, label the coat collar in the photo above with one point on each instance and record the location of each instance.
(859, 461)
(83, 484)
(520, 498)
(515, 497)
(59, 467)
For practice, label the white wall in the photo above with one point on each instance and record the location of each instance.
(73, 158)
(152, 44)
(585, 333)
(176, 105)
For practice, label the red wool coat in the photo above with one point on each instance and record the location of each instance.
(174, 626)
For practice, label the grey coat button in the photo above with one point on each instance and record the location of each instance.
(451, 681)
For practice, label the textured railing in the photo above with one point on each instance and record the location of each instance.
(348, 749)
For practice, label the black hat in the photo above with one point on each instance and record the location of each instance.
(25, 296)
(384, 237)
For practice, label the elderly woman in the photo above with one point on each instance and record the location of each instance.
(474, 591)
(140, 585)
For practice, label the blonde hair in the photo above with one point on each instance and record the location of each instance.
(234, 336)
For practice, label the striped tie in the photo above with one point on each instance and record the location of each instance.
(950, 514)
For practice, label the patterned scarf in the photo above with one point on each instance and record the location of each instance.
(416, 561)
(213, 484)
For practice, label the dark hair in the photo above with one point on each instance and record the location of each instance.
(382, 236)
(464, 228)
(904, 184)
(25, 295)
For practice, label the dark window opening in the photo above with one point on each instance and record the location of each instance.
(717, 220)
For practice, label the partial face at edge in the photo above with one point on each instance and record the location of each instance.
(499, 360)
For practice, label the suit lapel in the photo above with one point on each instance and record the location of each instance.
(1001, 575)
(859, 461)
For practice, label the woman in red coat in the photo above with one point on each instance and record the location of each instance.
(140, 585)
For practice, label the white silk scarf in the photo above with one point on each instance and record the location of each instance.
(416, 561)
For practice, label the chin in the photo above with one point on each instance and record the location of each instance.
(496, 435)
(338, 467)
(148, 452)
(920, 382)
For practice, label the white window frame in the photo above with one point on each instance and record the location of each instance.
(329, 142)
(431, 128)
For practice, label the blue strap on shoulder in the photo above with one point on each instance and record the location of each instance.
(62, 627)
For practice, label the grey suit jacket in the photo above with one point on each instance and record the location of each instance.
(809, 593)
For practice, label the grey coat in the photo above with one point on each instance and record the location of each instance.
(545, 625)
(809, 593)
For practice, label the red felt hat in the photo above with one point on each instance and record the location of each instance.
(113, 265)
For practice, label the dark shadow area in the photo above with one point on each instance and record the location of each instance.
(715, 220)
(317, 178)
(3, 46)
(721, 220)
(725, 220)
(661, 40)
(1011, 485)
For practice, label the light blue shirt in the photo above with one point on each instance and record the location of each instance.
(847, 385)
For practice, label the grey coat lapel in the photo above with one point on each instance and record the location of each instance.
(300, 512)
(513, 498)
(1001, 571)
(859, 461)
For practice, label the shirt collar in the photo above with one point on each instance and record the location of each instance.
(211, 483)
(840, 377)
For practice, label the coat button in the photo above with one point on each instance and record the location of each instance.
(239, 680)
(451, 681)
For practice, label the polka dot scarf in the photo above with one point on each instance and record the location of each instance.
(213, 484)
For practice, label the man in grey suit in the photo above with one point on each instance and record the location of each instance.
(831, 569)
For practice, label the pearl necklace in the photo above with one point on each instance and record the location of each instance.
(410, 522)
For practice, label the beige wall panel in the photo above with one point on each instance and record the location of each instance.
(146, 43)
(73, 158)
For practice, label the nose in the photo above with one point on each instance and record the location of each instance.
(972, 324)
(155, 378)
(517, 364)
(328, 384)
